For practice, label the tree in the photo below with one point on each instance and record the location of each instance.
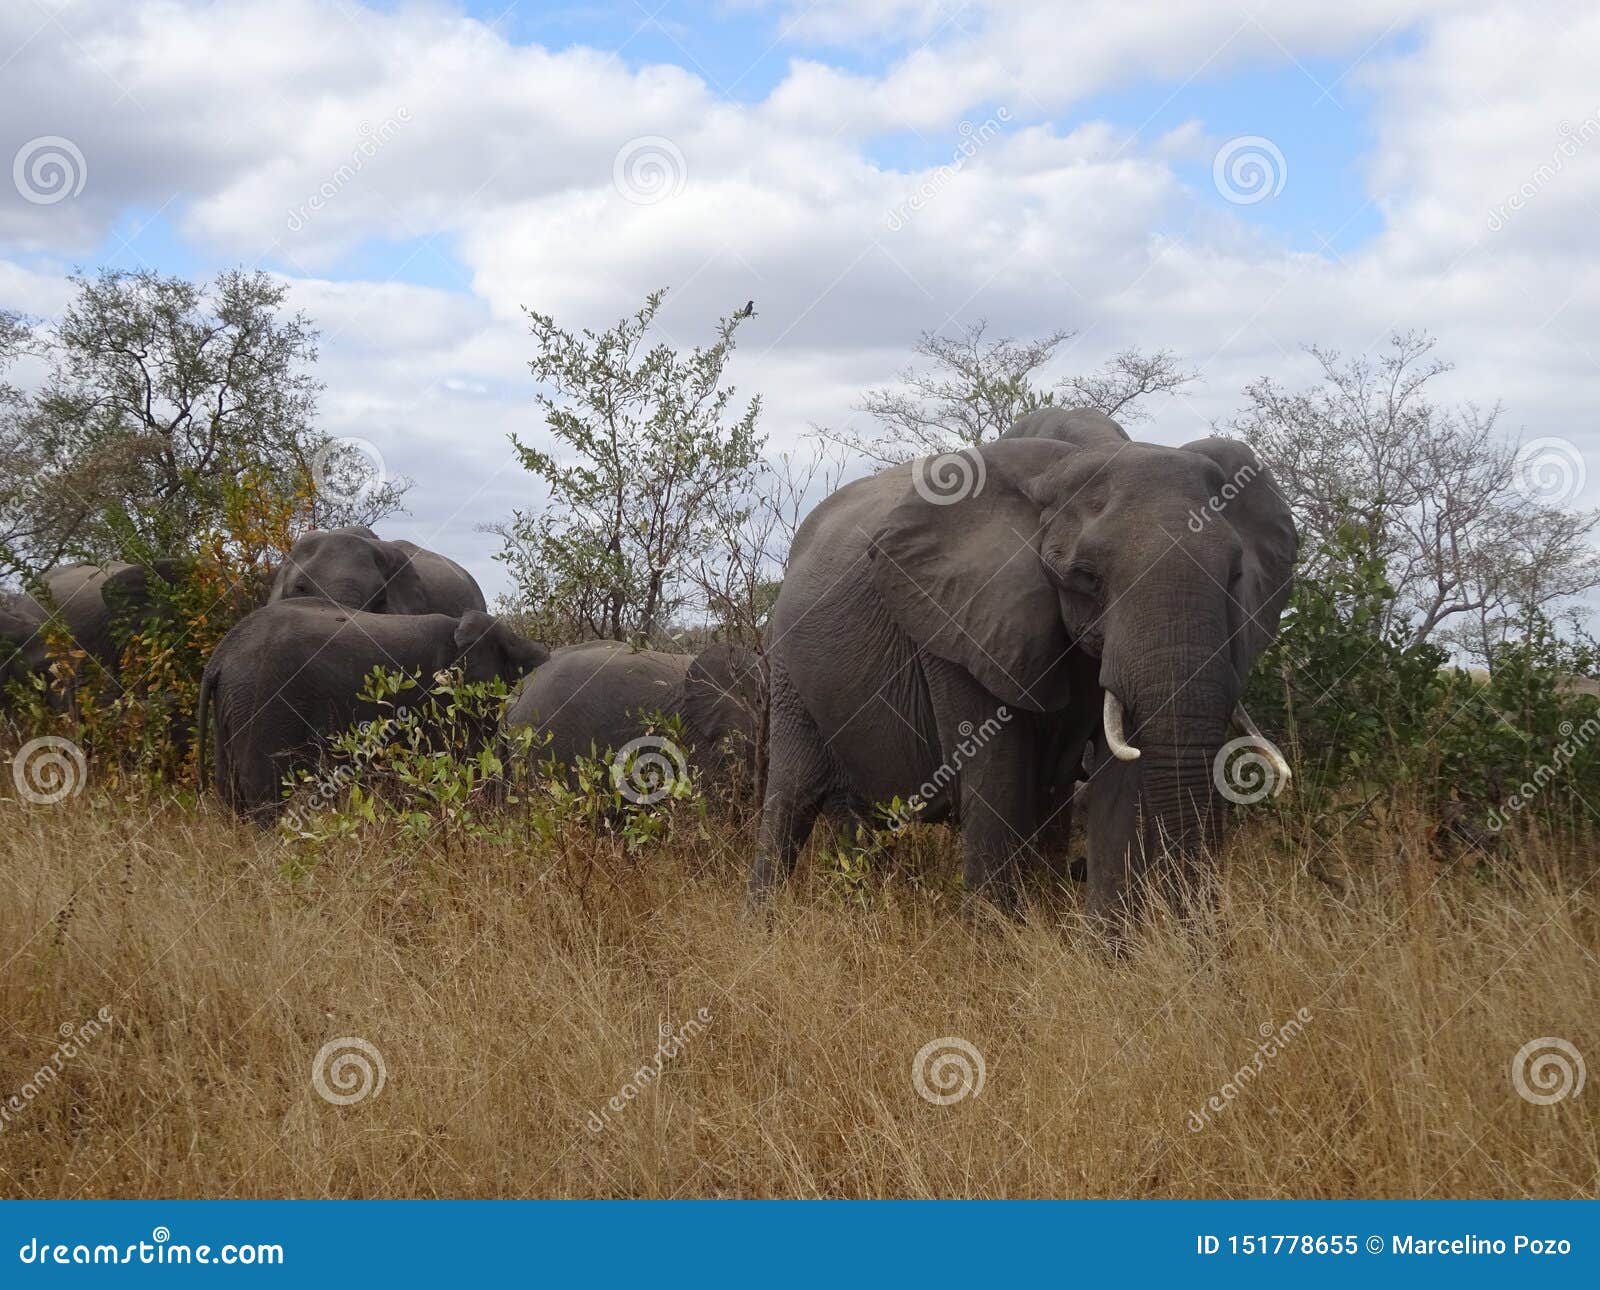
(976, 388)
(643, 454)
(160, 393)
(1474, 556)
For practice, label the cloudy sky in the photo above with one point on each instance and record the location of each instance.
(1232, 182)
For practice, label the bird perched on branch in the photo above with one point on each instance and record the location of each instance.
(749, 310)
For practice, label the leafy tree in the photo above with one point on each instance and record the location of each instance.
(1474, 556)
(976, 387)
(645, 458)
(160, 392)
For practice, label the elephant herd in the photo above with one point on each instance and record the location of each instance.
(1060, 615)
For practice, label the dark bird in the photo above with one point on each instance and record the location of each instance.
(749, 310)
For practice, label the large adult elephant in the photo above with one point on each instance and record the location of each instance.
(955, 630)
(353, 566)
(102, 605)
(598, 696)
(288, 676)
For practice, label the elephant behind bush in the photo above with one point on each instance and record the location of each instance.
(291, 674)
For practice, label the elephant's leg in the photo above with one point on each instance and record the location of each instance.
(800, 776)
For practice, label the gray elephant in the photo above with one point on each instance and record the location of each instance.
(1081, 427)
(955, 631)
(353, 566)
(102, 605)
(23, 651)
(288, 676)
(596, 697)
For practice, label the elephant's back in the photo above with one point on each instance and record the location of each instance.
(451, 589)
(596, 694)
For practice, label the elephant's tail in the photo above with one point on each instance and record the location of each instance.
(208, 685)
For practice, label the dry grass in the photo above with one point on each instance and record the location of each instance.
(508, 1004)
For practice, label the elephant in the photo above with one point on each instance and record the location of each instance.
(595, 697)
(102, 605)
(955, 630)
(353, 566)
(23, 650)
(1082, 427)
(289, 675)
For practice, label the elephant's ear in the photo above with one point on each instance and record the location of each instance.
(513, 656)
(1253, 504)
(403, 592)
(959, 570)
(722, 691)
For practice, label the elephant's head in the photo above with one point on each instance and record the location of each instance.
(486, 648)
(1129, 587)
(351, 566)
(23, 650)
(723, 692)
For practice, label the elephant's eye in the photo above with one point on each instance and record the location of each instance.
(1082, 580)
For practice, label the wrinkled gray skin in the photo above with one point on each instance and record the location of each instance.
(353, 566)
(287, 676)
(22, 645)
(597, 696)
(904, 626)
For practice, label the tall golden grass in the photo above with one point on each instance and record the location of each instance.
(512, 991)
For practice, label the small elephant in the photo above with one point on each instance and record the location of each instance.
(596, 697)
(954, 631)
(289, 676)
(353, 566)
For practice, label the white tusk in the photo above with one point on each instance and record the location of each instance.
(1242, 719)
(1118, 746)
